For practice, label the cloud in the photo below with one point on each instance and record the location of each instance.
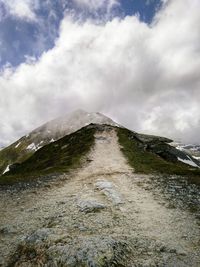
(145, 76)
(23, 9)
(96, 4)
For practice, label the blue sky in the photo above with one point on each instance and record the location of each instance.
(21, 38)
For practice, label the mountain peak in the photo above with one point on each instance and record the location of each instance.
(73, 121)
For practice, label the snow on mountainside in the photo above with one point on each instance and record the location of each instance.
(47, 133)
(191, 149)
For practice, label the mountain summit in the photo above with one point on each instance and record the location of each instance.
(70, 123)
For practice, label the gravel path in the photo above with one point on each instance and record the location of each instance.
(97, 216)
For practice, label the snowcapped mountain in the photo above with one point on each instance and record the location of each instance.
(51, 131)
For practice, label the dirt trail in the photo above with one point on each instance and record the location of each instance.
(96, 206)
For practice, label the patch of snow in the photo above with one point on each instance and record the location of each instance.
(32, 147)
(198, 158)
(52, 140)
(17, 145)
(180, 148)
(189, 162)
(7, 169)
(194, 148)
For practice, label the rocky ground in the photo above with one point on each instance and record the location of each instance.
(102, 214)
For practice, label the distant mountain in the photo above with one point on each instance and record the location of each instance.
(51, 131)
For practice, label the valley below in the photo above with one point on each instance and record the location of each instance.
(101, 214)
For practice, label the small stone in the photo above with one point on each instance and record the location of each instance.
(184, 236)
(4, 230)
(39, 235)
(181, 253)
(109, 190)
(61, 202)
(172, 250)
(90, 206)
(82, 228)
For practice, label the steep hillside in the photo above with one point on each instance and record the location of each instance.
(151, 154)
(47, 133)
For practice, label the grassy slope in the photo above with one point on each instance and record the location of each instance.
(18, 152)
(56, 157)
(11, 154)
(146, 162)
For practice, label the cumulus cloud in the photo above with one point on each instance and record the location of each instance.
(23, 9)
(147, 77)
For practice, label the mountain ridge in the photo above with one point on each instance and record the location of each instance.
(146, 153)
(23, 149)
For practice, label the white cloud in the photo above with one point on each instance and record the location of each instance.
(24, 9)
(97, 4)
(146, 77)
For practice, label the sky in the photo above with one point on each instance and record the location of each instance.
(137, 61)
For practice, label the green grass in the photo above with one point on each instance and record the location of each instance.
(147, 162)
(57, 157)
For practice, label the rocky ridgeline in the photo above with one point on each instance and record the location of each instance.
(161, 146)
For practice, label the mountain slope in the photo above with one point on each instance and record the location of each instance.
(145, 153)
(57, 157)
(24, 148)
(47, 133)
(154, 155)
